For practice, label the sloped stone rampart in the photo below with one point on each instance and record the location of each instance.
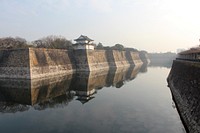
(34, 63)
(50, 62)
(91, 60)
(184, 83)
(14, 63)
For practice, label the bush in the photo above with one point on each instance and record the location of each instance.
(118, 47)
(54, 42)
(11, 43)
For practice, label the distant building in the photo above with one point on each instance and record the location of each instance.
(83, 42)
(191, 54)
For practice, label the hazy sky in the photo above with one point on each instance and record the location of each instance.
(152, 25)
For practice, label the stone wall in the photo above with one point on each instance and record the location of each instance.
(49, 62)
(14, 63)
(90, 60)
(133, 58)
(34, 63)
(120, 58)
(81, 60)
(97, 59)
(184, 82)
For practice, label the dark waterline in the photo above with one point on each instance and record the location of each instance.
(131, 100)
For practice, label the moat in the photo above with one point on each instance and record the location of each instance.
(129, 100)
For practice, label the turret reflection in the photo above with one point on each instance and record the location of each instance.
(21, 95)
(86, 84)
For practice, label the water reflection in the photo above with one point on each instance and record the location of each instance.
(21, 95)
(143, 68)
(17, 94)
(55, 104)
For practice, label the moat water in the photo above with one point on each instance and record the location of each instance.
(131, 100)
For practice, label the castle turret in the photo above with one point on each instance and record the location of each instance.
(83, 42)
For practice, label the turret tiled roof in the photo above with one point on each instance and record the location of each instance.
(82, 38)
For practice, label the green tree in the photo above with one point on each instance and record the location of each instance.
(99, 46)
(118, 47)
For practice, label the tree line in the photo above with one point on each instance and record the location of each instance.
(119, 47)
(52, 42)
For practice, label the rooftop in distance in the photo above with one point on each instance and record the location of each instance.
(191, 51)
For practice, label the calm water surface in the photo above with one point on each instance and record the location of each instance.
(134, 100)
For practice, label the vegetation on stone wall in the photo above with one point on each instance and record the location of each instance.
(54, 42)
(10, 43)
(115, 47)
(100, 46)
(119, 47)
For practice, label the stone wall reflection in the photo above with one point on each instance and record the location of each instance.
(17, 95)
(21, 95)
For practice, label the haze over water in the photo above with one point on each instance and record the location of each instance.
(133, 100)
